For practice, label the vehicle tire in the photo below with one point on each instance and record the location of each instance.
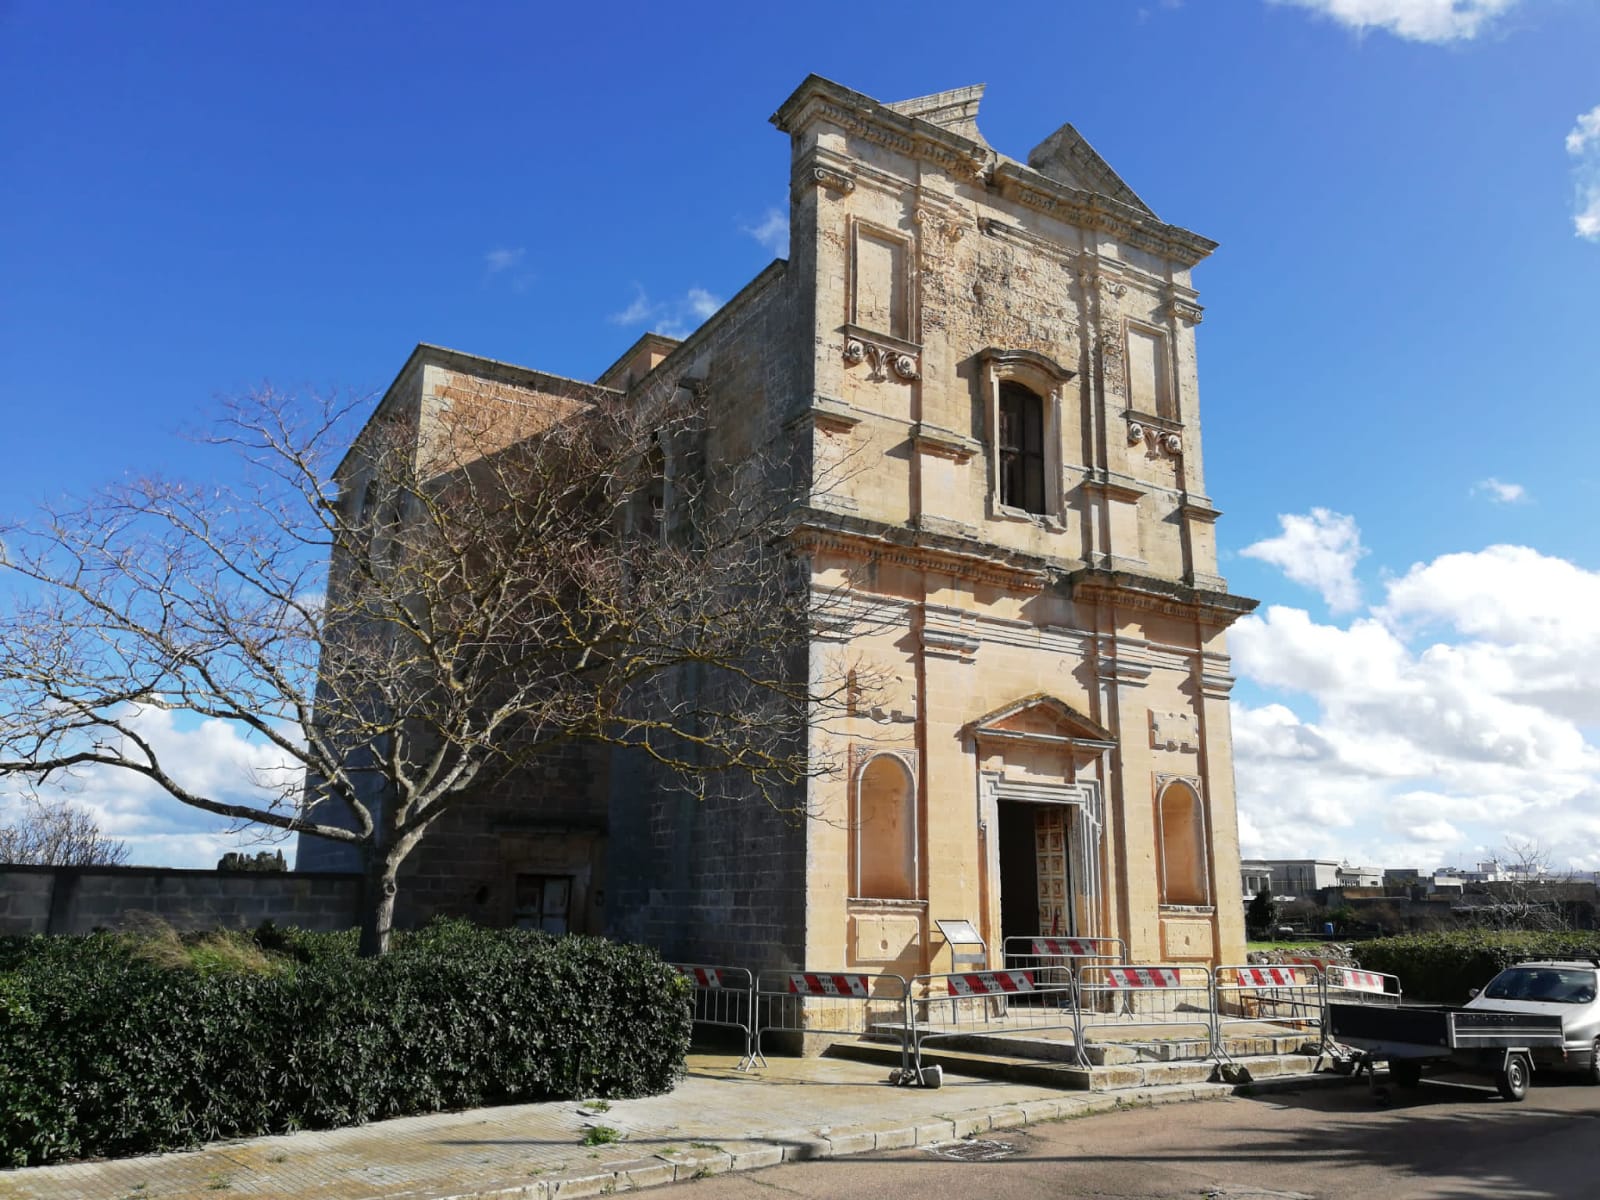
(1405, 1072)
(1513, 1078)
(1592, 1075)
(1344, 1066)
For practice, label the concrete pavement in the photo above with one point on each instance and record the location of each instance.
(716, 1120)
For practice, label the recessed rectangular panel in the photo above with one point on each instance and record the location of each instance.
(1148, 389)
(881, 301)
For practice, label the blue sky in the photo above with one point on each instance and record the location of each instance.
(1400, 358)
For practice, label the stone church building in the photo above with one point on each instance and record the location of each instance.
(1009, 347)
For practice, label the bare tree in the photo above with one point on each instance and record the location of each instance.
(413, 614)
(1527, 893)
(58, 835)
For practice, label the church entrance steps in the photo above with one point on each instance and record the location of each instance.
(1052, 1063)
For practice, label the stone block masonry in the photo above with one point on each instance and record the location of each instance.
(66, 900)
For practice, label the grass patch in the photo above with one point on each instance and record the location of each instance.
(601, 1135)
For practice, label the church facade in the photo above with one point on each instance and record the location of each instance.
(987, 368)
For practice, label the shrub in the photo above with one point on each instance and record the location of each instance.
(1442, 968)
(106, 1052)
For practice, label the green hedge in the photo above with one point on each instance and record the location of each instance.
(104, 1052)
(1442, 968)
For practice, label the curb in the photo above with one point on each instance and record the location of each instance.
(805, 1145)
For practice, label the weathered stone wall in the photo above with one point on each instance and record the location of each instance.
(722, 879)
(60, 900)
(549, 819)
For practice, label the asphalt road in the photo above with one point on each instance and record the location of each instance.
(1442, 1141)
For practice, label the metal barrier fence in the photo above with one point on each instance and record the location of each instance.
(831, 1003)
(1267, 1000)
(1171, 1011)
(995, 1004)
(1053, 959)
(1166, 1006)
(1353, 985)
(725, 997)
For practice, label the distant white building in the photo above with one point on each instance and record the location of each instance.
(1359, 877)
(1289, 878)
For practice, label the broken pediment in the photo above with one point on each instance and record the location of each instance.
(1042, 718)
(1066, 157)
(955, 110)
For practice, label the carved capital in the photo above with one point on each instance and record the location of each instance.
(1158, 442)
(1186, 311)
(833, 181)
(936, 223)
(882, 359)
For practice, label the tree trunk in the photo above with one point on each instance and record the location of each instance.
(377, 902)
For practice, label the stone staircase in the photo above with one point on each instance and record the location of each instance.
(1113, 1065)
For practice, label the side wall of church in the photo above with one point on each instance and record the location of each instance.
(720, 879)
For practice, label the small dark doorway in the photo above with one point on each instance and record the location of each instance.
(1035, 871)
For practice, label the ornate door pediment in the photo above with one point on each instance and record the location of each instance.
(1042, 720)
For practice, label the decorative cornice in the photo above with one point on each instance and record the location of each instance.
(864, 539)
(1124, 670)
(826, 413)
(861, 116)
(1008, 358)
(1066, 256)
(1088, 210)
(1123, 589)
(968, 160)
(949, 643)
(1124, 488)
(931, 439)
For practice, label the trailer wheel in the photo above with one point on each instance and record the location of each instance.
(1513, 1077)
(1406, 1072)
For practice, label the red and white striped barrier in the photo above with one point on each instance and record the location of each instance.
(1311, 960)
(991, 983)
(1267, 976)
(1142, 977)
(1352, 980)
(812, 983)
(1065, 947)
(708, 977)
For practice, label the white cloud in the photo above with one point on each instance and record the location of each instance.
(1456, 715)
(1319, 550)
(1499, 492)
(772, 232)
(503, 259)
(701, 303)
(675, 318)
(1586, 132)
(1414, 20)
(1583, 143)
(212, 758)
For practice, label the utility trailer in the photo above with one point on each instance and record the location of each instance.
(1481, 1041)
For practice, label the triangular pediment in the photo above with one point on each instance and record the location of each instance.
(1066, 157)
(955, 110)
(1043, 718)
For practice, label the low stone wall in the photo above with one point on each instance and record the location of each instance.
(83, 899)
